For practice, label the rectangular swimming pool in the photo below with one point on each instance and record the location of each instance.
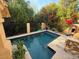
(37, 44)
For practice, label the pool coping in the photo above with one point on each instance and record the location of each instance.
(22, 35)
(27, 54)
(25, 34)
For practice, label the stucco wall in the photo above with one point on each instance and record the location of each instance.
(5, 45)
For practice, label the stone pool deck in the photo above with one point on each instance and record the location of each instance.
(58, 45)
(27, 54)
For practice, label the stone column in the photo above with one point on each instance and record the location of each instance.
(28, 27)
(43, 26)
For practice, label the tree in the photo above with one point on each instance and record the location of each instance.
(51, 14)
(69, 7)
(54, 14)
(20, 10)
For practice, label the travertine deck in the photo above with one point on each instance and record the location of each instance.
(27, 54)
(58, 46)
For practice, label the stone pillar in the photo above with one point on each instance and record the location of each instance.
(43, 26)
(28, 27)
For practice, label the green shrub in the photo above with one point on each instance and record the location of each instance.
(20, 52)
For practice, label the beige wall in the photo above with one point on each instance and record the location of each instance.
(5, 45)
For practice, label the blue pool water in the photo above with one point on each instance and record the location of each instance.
(37, 45)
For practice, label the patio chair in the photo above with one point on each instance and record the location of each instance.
(76, 35)
(71, 31)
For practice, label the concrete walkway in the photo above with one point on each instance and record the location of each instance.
(58, 45)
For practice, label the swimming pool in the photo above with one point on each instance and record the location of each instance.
(37, 44)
